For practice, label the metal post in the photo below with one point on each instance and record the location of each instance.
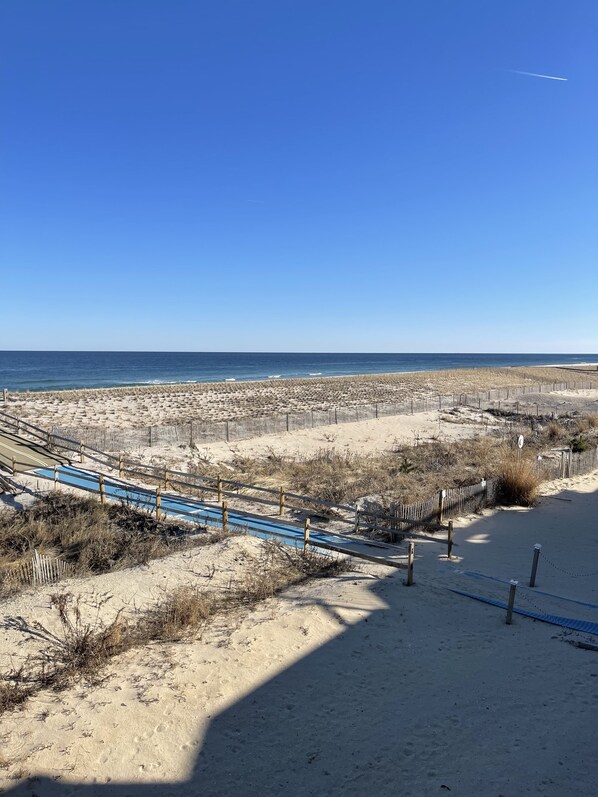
(441, 497)
(306, 534)
(512, 590)
(449, 549)
(532, 578)
(410, 558)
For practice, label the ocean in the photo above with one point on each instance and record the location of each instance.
(61, 370)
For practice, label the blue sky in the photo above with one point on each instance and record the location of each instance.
(299, 175)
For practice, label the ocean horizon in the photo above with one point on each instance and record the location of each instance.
(62, 370)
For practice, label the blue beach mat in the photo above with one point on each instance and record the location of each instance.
(565, 622)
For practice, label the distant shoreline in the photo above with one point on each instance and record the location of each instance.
(49, 372)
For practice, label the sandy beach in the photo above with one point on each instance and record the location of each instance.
(129, 408)
(339, 687)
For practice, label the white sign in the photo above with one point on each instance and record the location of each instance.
(520, 441)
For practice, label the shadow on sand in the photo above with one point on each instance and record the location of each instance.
(428, 694)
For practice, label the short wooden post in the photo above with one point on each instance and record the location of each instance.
(19, 425)
(356, 525)
(224, 516)
(219, 484)
(306, 534)
(166, 478)
(449, 548)
(121, 465)
(512, 590)
(281, 502)
(410, 558)
(82, 452)
(102, 489)
(5, 395)
(158, 502)
(441, 497)
(532, 578)
(55, 477)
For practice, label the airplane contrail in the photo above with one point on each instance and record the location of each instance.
(536, 74)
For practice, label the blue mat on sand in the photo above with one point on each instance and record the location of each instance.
(564, 622)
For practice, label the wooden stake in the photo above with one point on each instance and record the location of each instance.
(224, 516)
(158, 502)
(102, 490)
(306, 534)
(55, 477)
(82, 452)
(166, 478)
(512, 590)
(121, 465)
(410, 559)
(282, 497)
(449, 549)
(356, 527)
(219, 489)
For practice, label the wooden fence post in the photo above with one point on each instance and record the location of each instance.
(441, 497)
(166, 478)
(121, 464)
(306, 534)
(55, 477)
(158, 502)
(5, 395)
(219, 484)
(356, 526)
(102, 489)
(410, 558)
(14, 466)
(281, 502)
(512, 590)
(449, 549)
(81, 452)
(224, 516)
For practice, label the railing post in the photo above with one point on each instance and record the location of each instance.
(55, 477)
(281, 502)
(532, 578)
(512, 590)
(449, 549)
(356, 526)
(219, 483)
(166, 478)
(5, 395)
(306, 534)
(224, 516)
(82, 452)
(102, 489)
(410, 558)
(158, 502)
(121, 465)
(14, 466)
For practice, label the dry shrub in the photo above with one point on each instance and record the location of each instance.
(519, 482)
(178, 615)
(592, 420)
(93, 537)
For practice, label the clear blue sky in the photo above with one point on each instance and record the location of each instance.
(299, 175)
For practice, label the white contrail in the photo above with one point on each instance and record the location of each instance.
(535, 74)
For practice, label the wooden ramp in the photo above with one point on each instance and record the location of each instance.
(18, 455)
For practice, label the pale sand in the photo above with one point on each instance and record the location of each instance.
(123, 408)
(352, 686)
